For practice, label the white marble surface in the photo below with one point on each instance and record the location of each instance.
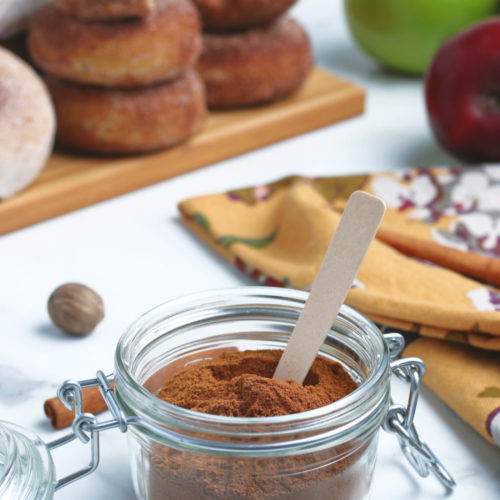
(134, 251)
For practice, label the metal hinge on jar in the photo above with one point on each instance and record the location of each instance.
(399, 418)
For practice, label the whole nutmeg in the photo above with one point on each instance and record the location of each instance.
(75, 308)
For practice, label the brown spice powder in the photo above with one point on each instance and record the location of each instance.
(239, 384)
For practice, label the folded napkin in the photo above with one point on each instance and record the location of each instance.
(478, 400)
(440, 224)
(279, 234)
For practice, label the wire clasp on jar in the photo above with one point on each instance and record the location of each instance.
(85, 426)
(399, 418)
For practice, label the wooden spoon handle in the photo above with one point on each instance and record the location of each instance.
(362, 216)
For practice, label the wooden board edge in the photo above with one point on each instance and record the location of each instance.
(316, 113)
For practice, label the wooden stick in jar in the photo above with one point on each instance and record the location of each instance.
(358, 225)
(61, 417)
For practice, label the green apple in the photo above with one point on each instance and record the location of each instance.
(405, 34)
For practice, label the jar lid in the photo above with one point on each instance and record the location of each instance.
(26, 468)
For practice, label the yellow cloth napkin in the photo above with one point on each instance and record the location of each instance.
(279, 234)
(477, 399)
(449, 216)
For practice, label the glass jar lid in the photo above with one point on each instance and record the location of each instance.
(26, 468)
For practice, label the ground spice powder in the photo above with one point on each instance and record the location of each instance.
(240, 384)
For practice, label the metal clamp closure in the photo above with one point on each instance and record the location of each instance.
(399, 418)
(85, 425)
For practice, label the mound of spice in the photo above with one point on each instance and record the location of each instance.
(240, 384)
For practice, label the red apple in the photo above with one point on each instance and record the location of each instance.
(462, 91)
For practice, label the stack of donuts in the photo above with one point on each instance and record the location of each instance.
(252, 54)
(120, 72)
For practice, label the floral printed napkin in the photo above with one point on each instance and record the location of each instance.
(448, 216)
(432, 270)
(279, 233)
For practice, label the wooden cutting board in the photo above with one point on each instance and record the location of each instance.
(73, 181)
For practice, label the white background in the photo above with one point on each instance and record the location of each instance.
(135, 253)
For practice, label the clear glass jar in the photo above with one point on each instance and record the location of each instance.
(319, 454)
(26, 466)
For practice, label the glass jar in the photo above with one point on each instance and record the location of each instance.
(301, 456)
(26, 466)
(178, 453)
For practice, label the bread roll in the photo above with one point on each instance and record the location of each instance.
(27, 124)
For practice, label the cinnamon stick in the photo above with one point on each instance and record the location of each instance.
(472, 264)
(61, 417)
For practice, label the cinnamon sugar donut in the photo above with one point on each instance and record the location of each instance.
(227, 15)
(105, 9)
(122, 53)
(27, 124)
(125, 121)
(256, 66)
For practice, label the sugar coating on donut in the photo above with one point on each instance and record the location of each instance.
(106, 9)
(227, 15)
(120, 53)
(255, 66)
(130, 120)
(27, 124)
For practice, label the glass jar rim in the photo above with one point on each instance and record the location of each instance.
(143, 398)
